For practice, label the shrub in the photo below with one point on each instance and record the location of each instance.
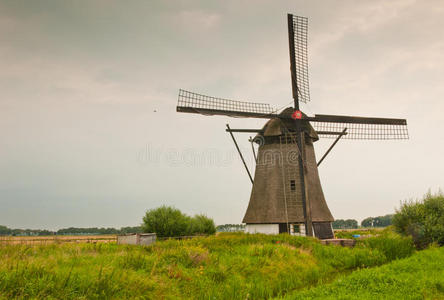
(392, 245)
(168, 221)
(165, 221)
(423, 220)
(202, 224)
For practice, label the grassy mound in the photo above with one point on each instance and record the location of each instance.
(226, 266)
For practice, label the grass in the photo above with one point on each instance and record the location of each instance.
(420, 276)
(364, 232)
(226, 266)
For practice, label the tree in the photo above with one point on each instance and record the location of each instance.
(166, 221)
(5, 230)
(381, 221)
(351, 224)
(201, 224)
(345, 224)
(135, 229)
(423, 220)
(367, 222)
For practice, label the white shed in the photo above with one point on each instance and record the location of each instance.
(144, 239)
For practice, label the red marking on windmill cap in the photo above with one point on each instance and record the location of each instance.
(297, 115)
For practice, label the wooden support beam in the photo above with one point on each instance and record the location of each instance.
(331, 147)
(244, 130)
(240, 154)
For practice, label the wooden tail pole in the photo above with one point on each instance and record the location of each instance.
(240, 153)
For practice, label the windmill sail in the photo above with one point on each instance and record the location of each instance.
(297, 38)
(360, 128)
(190, 102)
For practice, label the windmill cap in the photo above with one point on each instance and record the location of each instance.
(278, 126)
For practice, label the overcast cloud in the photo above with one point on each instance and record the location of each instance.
(89, 132)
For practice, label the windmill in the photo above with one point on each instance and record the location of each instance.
(287, 194)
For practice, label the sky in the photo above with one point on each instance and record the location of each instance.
(89, 135)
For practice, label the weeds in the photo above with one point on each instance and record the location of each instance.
(417, 277)
(226, 266)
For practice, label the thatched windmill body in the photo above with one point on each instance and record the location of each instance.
(287, 195)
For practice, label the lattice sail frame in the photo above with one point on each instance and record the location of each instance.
(357, 131)
(198, 102)
(300, 28)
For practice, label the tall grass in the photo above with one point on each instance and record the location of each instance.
(348, 234)
(420, 276)
(226, 266)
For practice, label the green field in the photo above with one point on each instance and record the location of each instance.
(420, 276)
(226, 266)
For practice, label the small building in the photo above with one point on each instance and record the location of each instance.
(144, 239)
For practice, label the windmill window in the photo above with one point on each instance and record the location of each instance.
(292, 185)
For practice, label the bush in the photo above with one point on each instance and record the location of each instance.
(202, 224)
(392, 245)
(168, 221)
(423, 220)
(165, 222)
